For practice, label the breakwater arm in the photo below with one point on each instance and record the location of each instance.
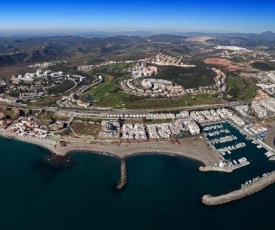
(215, 169)
(241, 193)
(123, 175)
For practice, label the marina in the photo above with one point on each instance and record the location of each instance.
(230, 144)
(237, 149)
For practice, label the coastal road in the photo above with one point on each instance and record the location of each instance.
(127, 111)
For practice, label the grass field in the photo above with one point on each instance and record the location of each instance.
(107, 93)
(100, 91)
(188, 100)
(113, 99)
(239, 88)
(45, 101)
(118, 71)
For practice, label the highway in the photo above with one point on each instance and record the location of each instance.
(126, 111)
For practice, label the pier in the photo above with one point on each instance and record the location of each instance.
(248, 190)
(215, 169)
(227, 169)
(245, 163)
(123, 175)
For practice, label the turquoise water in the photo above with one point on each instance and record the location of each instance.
(163, 192)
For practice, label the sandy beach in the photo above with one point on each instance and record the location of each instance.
(194, 148)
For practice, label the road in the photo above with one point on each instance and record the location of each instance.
(126, 111)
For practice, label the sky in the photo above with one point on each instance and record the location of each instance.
(245, 16)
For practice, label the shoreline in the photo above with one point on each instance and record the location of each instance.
(195, 148)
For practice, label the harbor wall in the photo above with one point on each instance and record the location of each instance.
(215, 169)
(123, 175)
(241, 193)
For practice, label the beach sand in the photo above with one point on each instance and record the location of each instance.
(194, 148)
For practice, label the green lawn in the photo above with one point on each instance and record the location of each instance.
(240, 88)
(102, 90)
(45, 101)
(113, 99)
(158, 103)
(107, 94)
(116, 70)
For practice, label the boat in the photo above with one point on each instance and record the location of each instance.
(259, 146)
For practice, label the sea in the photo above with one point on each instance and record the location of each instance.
(163, 192)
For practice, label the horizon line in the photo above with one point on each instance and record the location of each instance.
(161, 31)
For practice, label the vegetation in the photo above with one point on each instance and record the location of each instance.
(148, 103)
(45, 101)
(95, 120)
(10, 114)
(239, 88)
(114, 99)
(85, 128)
(194, 77)
(100, 91)
(118, 71)
(263, 66)
(65, 86)
(108, 94)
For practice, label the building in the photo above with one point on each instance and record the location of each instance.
(194, 128)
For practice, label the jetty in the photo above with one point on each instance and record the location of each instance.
(252, 188)
(123, 175)
(215, 169)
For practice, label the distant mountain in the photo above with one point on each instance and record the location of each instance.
(268, 34)
(56, 33)
(29, 34)
(36, 47)
(21, 50)
(264, 35)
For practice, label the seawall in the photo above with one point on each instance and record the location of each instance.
(215, 169)
(123, 175)
(241, 193)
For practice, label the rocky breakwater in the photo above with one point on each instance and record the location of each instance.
(241, 193)
(215, 169)
(123, 176)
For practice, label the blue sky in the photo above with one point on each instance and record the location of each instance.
(151, 15)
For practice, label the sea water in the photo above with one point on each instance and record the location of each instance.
(163, 192)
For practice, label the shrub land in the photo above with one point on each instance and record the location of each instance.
(263, 66)
(239, 88)
(66, 85)
(193, 77)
